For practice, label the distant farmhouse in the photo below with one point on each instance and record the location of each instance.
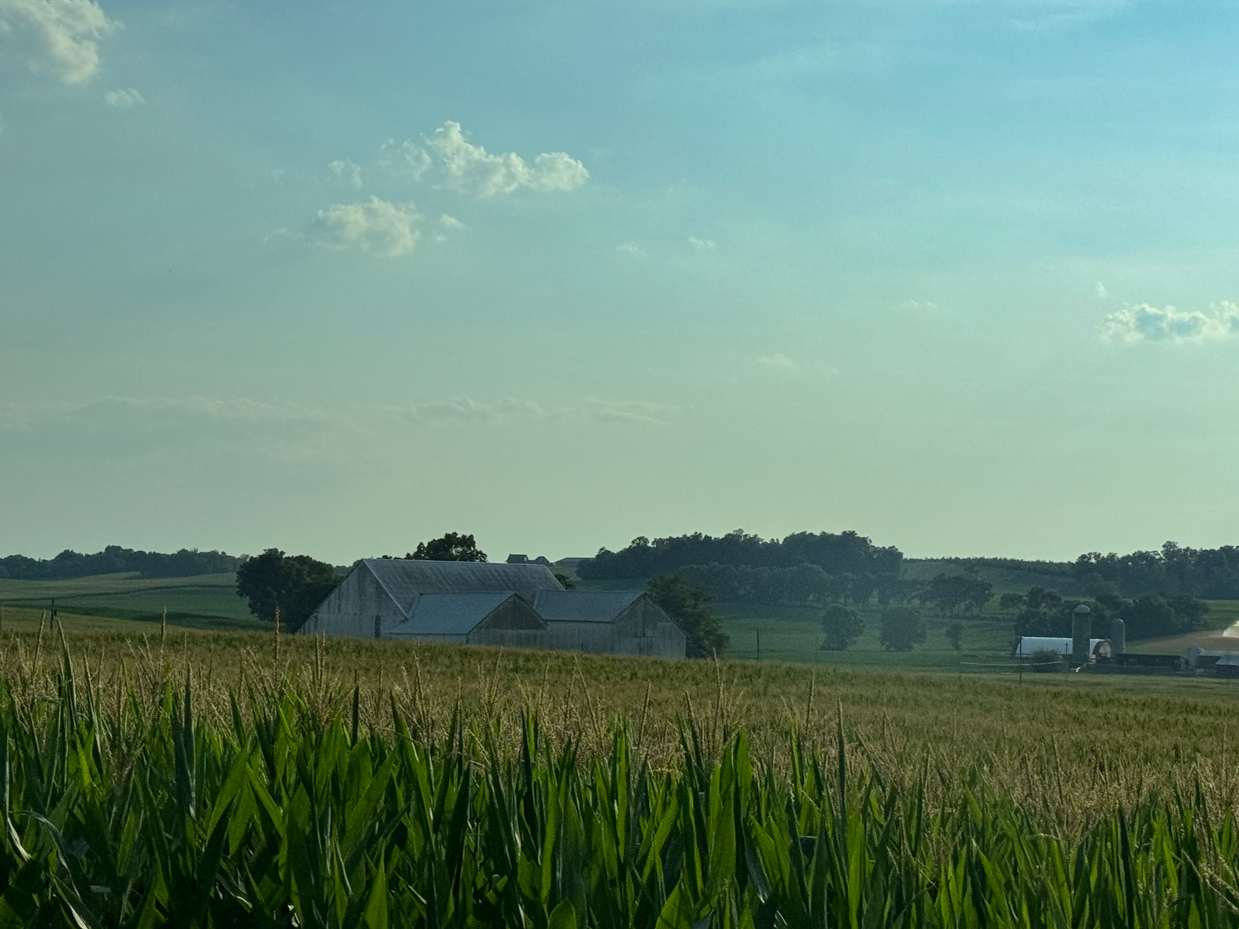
(517, 605)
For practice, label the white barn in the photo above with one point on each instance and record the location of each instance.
(514, 605)
(622, 622)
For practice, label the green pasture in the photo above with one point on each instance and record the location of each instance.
(206, 601)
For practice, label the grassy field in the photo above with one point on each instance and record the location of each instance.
(207, 601)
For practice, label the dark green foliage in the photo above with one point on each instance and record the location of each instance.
(1011, 602)
(1045, 660)
(567, 582)
(1209, 573)
(693, 611)
(451, 547)
(955, 635)
(1162, 615)
(901, 628)
(841, 626)
(115, 560)
(952, 593)
(843, 555)
(279, 818)
(296, 584)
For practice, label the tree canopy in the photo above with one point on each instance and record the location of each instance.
(114, 559)
(842, 627)
(693, 610)
(845, 553)
(1211, 573)
(451, 547)
(900, 628)
(295, 584)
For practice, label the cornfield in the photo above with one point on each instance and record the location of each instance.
(125, 811)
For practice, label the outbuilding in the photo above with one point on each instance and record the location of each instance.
(1029, 645)
(517, 605)
(620, 622)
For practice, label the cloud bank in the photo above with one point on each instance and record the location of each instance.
(1145, 323)
(375, 225)
(65, 34)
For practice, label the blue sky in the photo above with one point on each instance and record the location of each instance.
(342, 277)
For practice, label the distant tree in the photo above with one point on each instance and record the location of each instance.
(955, 635)
(296, 584)
(901, 628)
(1011, 602)
(451, 547)
(567, 582)
(1038, 598)
(1159, 615)
(952, 592)
(693, 611)
(842, 627)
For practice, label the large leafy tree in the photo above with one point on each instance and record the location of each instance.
(693, 611)
(451, 547)
(901, 628)
(295, 584)
(842, 627)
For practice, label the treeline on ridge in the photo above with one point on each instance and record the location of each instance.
(1211, 573)
(842, 554)
(115, 560)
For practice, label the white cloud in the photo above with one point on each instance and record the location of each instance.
(66, 34)
(633, 249)
(1102, 293)
(124, 99)
(702, 245)
(777, 361)
(1145, 323)
(347, 171)
(375, 225)
(472, 169)
(405, 157)
(450, 222)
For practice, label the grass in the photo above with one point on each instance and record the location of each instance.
(207, 601)
(230, 779)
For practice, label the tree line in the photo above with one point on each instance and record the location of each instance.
(114, 560)
(841, 554)
(1043, 612)
(1210, 573)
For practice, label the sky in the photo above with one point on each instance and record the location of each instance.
(959, 275)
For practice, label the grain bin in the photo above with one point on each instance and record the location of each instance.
(1118, 636)
(1081, 631)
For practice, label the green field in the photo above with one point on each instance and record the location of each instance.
(244, 779)
(207, 601)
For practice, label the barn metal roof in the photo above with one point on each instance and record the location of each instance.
(584, 606)
(451, 614)
(405, 578)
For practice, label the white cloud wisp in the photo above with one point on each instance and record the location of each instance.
(375, 225)
(1145, 323)
(124, 99)
(66, 34)
(472, 169)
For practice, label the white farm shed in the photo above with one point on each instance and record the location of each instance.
(380, 597)
(1031, 644)
(622, 622)
(514, 605)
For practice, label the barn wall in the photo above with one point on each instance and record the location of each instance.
(351, 608)
(580, 636)
(645, 629)
(513, 624)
